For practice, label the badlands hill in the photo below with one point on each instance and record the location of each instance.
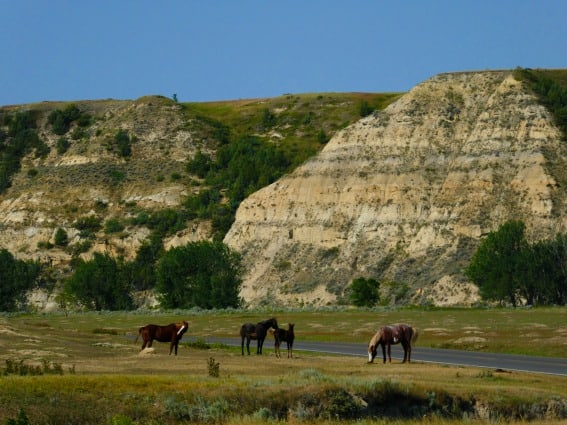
(403, 195)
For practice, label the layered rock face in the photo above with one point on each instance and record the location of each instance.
(405, 195)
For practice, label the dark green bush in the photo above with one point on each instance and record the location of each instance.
(62, 145)
(122, 144)
(113, 225)
(61, 119)
(61, 238)
(88, 225)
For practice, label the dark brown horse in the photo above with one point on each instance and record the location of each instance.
(286, 336)
(258, 332)
(389, 335)
(171, 333)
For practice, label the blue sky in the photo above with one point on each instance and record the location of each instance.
(235, 49)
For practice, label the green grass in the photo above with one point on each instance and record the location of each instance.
(529, 331)
(106, 380)
(298, 119)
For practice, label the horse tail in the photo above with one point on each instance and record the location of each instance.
(415, 335)
(139, 333)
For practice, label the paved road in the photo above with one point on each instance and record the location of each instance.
(510, 362)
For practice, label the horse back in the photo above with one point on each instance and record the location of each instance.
(166, 333)
(407, 332)
(248, 330)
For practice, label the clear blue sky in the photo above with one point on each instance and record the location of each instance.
(204, 50)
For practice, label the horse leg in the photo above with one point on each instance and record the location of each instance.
(242, 345)
(389, 353)
(248, 345)
(384, 352)
(172, 346)
(404, 345)
(260, 344)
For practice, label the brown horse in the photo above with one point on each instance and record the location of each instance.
(388, 335)
(256, 331)
(286, 336)
(171, 333)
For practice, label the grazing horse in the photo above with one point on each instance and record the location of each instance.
(284, 335)
(256, 331)
(388, 335)
(171, 333)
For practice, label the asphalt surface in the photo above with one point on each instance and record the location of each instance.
(505, 362)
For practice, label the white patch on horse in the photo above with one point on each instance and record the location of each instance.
(180, 329)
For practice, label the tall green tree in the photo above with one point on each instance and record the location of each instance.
(547, 272)
(100, 284)
(498, 266)
(16, 278)
(141, 270)
(365, 292)
(200, 274)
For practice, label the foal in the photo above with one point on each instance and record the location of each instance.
(284, 335)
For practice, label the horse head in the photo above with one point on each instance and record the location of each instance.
(372, 351)
(181, 328)
(272, 323)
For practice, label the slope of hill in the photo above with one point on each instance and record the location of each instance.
(405, 195)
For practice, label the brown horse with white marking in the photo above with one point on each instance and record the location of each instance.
(389, 335)
(171, 333)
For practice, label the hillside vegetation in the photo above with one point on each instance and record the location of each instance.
(131, 179)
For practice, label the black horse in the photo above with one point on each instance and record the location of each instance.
(256, 331)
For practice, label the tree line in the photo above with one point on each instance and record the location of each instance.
(506, 267)
(200, 274)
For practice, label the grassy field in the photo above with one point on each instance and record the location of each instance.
(92, 370)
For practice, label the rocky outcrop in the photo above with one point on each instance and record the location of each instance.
(405, 195)
(89, 179)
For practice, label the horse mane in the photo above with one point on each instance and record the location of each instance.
(376, 338)
(269, 323)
